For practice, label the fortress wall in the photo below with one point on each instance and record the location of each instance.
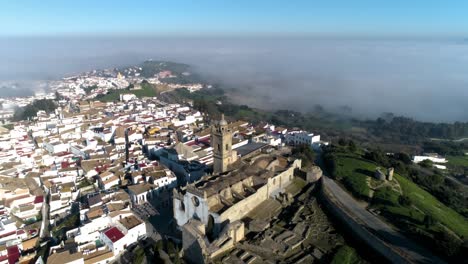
(358, 231)
(273, 186)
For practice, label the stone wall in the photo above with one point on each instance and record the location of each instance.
(358, 231)
(197, 248)
(274, 186)
(194, 244)
(314, 174)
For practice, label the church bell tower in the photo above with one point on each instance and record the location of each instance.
(221, 142)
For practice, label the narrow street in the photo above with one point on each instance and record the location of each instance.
(45, 219)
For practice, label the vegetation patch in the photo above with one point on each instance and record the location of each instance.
(412, 206)
(30, 111)
(67, 224)
(354, 174)
(461, 161)
(147, 90)
(425, 202)
(9, 126)
(346, 255)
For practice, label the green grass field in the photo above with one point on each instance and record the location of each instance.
(386, 200)
(430, 205)
(354, 173)
(461, 161)
(147, 90)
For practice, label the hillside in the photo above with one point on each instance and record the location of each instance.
(181, 73)
(400, 201)
(147, 90)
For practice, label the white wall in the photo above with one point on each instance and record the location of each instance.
(418, 159)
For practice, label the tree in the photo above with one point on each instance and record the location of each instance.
(31, 110)
(352, 146)
(429, 220)
(426, 163)
(434, 179)
(448, 243)
(330, 163)
(342, 142)
(378, 156)
(405, 158)
(58, 96)
(305, 153)
(404, 200)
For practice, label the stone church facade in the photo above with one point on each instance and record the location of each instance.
(215, 206)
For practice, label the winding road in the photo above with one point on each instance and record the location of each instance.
(399, 243)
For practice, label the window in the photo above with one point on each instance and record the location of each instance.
(195, 201)
(219, 147)
(227, 147)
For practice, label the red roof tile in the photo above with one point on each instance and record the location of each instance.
(13, 254)
(8, 234)
(39, 199)
(114, 234)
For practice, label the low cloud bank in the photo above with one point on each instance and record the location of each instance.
(425, 80)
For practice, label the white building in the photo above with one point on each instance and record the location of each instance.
(141, 193)
(434, 158)
(90, 231)
(113, 238)
(127, 97)
(132, 227)
(301, 138)
(55, 147)
(108, 180)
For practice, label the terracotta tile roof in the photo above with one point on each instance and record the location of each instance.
(98, 256)
(114, 234)
(141, 188)
(94, 213)
(30, 244)
(130, 222)
(64, 257)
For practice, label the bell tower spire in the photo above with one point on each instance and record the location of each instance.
(221, 142)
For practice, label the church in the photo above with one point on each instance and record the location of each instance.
(210, 211)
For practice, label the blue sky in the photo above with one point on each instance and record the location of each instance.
(213, 17)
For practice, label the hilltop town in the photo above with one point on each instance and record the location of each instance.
(91, 180)
(150, 163)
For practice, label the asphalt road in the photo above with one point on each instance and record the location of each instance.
(399, 243)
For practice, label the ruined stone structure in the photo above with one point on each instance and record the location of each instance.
(221, 142)
(198, 247)
(379, 175)
(314, 174)
(231, 196)
(390, 174)
(218, 201)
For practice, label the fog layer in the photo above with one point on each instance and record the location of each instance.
(426, 80)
